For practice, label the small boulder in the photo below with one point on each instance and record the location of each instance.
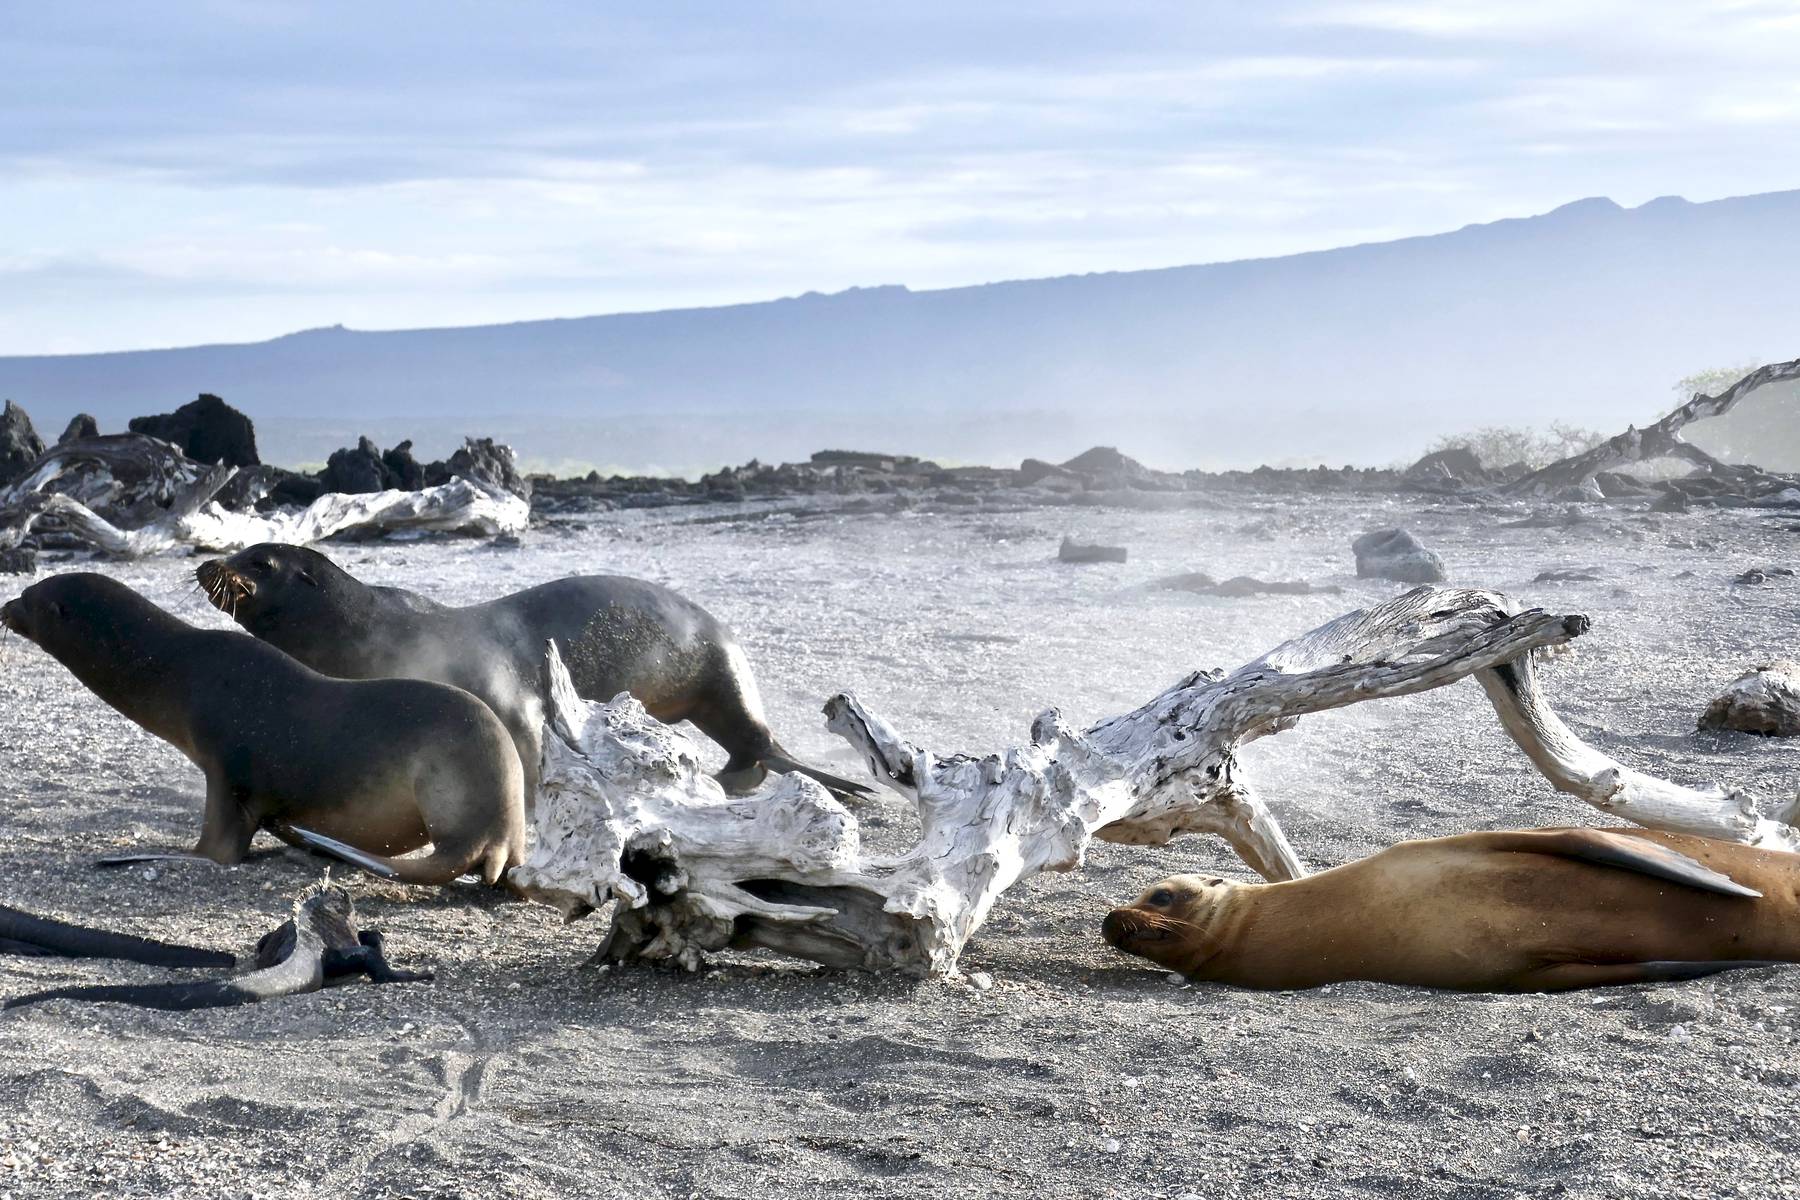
(1396, 554)
(19, 443)
(1764, 699)
(19, 560)
(1569, 575)
(82, 425)
(207, 430)
(1074, 552)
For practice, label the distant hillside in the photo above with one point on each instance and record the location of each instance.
(1364, 354)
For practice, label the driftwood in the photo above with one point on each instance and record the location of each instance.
(627, 814)
(160, 500)
(1661, 440)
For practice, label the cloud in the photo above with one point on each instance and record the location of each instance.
(234, 169)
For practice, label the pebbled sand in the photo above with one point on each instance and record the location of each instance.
(521, 1073)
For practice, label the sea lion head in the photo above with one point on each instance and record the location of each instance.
(77, 611)
(253, 584)
(1172, 923)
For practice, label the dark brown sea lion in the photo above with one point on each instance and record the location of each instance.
(615, 635)
(1532, 911)
(386, 766)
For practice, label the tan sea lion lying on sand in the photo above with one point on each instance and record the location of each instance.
(1532, 911)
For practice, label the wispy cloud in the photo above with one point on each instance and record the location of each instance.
(236, 169)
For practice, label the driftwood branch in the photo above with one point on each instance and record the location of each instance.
(1573, 766)
(1661, 440)
(627, 814)
(159, 500)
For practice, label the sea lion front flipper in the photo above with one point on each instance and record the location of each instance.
(342, 851)
(1565, 977)
(1608, 849)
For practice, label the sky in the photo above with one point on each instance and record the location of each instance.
(184, 173)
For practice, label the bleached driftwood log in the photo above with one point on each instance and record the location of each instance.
(460, 506)
(1573, 766)
(626, 813)
(168, 503)
(1661, 440)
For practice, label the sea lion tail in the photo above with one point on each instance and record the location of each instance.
(777, 759)
(51, 936)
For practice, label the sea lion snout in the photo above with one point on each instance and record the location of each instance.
(11, 617)
(1126, 928)
(225, 586)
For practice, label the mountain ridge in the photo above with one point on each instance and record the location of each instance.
(1587, 313)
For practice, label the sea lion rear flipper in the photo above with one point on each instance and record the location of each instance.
(843, 789)
(1608, 849)
(1564, 977)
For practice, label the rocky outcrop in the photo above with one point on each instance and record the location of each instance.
(1455, 464)
(19, 443)
(483, 460)
(357, 470)
(81, 425)
(207, 430)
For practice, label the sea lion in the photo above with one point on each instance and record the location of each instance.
(615, 634)
(1530, 911)
(386, 766)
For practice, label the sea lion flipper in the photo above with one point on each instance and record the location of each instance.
(1608, 849)
(1563, 977)
(373, 864)
(843, 789)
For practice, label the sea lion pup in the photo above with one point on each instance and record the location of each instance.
(386, 766)
(1532, 911)
(615, 635)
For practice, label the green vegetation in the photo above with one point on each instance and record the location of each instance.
(1505, 445)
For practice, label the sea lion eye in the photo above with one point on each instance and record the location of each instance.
(1162, 897)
